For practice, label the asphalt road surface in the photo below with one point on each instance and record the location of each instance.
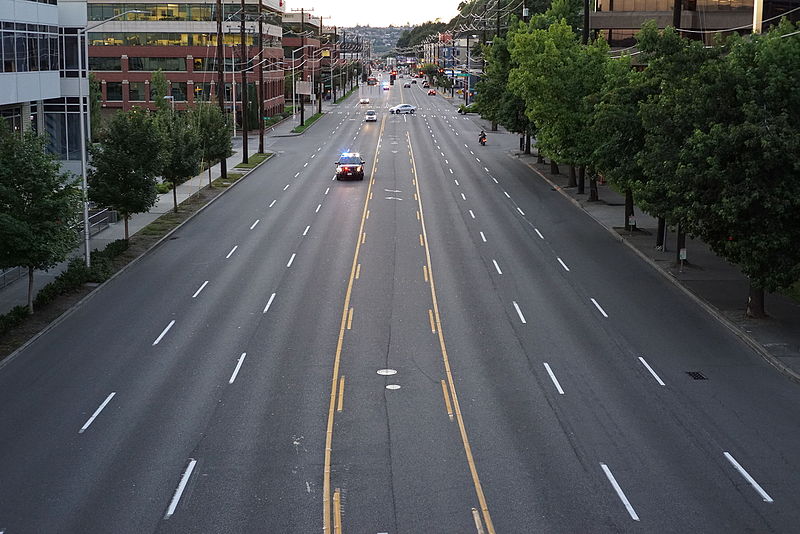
(447, 346)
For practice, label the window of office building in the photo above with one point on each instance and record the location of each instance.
(62, 126)
(164, 39)
(171, 64)
(114, 91)
(179, 91)
(69, 48)
(136, 92)
(182, 12)
(202, 91)
(105, 63)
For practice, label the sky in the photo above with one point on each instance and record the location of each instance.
(378, 12)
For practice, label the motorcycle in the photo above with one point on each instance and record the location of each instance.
(482, 140)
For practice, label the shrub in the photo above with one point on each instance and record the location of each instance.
(164, 187)
(12, 318)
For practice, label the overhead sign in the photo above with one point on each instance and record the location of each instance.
(302, 88)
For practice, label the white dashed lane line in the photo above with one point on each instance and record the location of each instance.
(471, 214)
(506, 194)
(97, 412)
(599, 308)
(483, 237)
(620, 493)
(539, 233)
(497, 267)
(291, 260)
(238, 366)
(553, 378)
(463, 197)
(306, 230)
(764, 495)
(652, 372)
(272, 203)
(255, 223)
(318, 207)
(564, 265)
(519, 312)
(232, 251)
(520, 211)
(164, 332)
(269, 303)
(200, 289)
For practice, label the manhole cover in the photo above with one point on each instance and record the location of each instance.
(387, 372)
(696, 375)
(393, 386)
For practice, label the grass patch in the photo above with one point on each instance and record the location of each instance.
(254, 160)
(309, 121)
(348, 93)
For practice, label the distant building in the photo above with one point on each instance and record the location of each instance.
(39, 71)
(180, 39)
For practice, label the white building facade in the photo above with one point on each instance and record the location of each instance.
(39, 71)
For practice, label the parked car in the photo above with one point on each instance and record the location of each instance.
(403, 108)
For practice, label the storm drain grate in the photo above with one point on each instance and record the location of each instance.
(697, 375)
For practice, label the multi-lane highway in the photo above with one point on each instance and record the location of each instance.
(446, 347)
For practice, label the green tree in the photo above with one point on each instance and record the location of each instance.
(741, 161)
(95, 106)
(215, 133)
(159, 88)
(38, 206)
(556, 76)
(183, 150)
(127, 164)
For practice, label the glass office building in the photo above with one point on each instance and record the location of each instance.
(180, 39)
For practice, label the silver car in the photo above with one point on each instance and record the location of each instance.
(403, 108)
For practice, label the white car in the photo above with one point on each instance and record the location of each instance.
(364, 101)
(403, 108)
(371, 116)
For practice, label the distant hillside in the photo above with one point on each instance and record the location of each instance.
(383, 39)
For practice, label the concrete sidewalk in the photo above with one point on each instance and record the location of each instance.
(717, 285)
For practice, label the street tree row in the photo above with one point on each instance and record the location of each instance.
(706, 138)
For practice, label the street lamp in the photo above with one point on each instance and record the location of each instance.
(294, 90)
(83, 117)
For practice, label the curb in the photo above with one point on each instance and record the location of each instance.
(748, 340)
(58, 320)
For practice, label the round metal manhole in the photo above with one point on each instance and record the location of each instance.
(387, 372)
(393, 386)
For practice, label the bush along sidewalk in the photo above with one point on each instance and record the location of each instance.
(309, 121)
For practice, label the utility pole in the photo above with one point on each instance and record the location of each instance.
(223, 164)
(303, 45)
(260, 78)
(334, 47)
(245, 92)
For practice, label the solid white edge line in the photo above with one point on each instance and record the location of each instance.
(647, 365)
(483, 237)
(164, 332)
(97, 412)
(564, 265)
(291, 260)
(519, 312)
(269, 303)
(553, 378)
(232, 251)
(306, 230)
(179, 490)
(747, 477)
(272, 203)
(599, 308)
(539, 233)
(619, 491)
(255, 223)
(238, 366)
(497, 267)
(200, 289)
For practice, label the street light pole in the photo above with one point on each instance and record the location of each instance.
(84, 112)
(245, 92)
(223, 163)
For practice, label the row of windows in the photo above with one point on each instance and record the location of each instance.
(172, 64)
(51, 2)
(192, 12)
(174, 39)
(23, 51)
(667, 5)
(140, 91)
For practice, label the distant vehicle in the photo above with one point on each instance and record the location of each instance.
(413, 81)
(364, 101)
(425, 84)
(371, 116)
(406, 85)
(350, 165)
(403, 108)
(372, 80)
(432, 92)
(385, 86)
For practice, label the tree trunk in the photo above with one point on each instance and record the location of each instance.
(581, 179)
(662, 226)
(755, 302)
(681, 244)
(30, 290)
(527, 142)
(629, 210)
(554, 167)
(209, 175)
(126, 217)
(573, 181)
(594, 195)
(175, 197)
(539, 158)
